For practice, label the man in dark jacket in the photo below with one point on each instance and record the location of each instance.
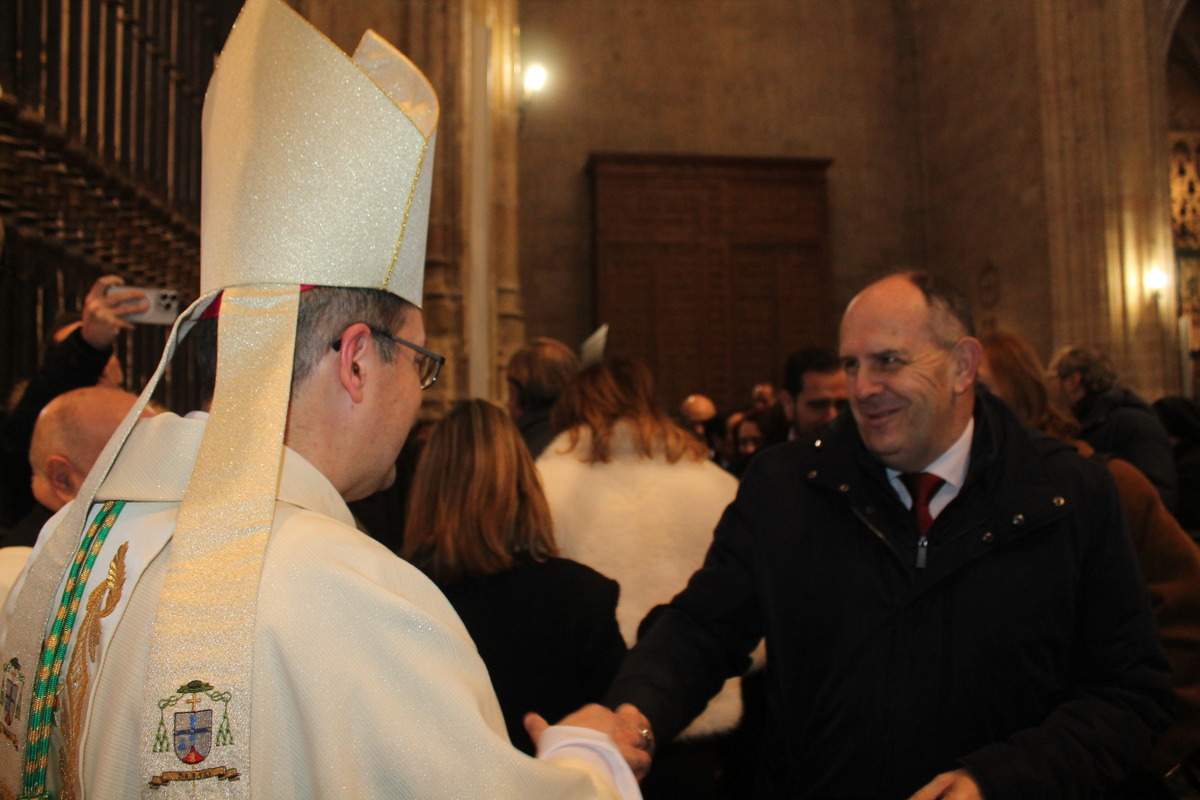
(1113, 419)
(990, 637)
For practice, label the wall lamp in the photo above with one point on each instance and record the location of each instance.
(535, 81)
(1155, 280)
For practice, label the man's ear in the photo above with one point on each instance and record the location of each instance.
(968, 357)
(356, 349)
(60, 479)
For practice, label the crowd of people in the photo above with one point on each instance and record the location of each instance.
(915, 669)
(926, 566)
(1007, 640)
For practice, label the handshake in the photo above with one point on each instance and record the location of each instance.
(627, 727)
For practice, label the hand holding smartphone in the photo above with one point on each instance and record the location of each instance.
(164, 304)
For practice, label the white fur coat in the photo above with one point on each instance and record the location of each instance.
(646, 524)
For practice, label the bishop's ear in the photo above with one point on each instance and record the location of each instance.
(354, 350)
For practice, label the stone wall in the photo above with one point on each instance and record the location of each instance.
(1044, 153)
(979, 123)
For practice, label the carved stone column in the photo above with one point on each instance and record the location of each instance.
(468, 50)
(1102, 93)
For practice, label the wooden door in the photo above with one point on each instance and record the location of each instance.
(710, 269)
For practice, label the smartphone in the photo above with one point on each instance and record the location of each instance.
(164, 305)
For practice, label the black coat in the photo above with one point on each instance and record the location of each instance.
(1025, 650)
(547, 631)
(536, 430)
(1120, 423)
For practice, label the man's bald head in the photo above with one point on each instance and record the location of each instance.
(697, 408)
(911, 358)
(70, 433)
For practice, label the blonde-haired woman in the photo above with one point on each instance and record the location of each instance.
(479, 526)
(635, 496)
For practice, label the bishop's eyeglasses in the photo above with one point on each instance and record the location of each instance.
(427, 362)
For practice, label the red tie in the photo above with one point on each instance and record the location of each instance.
(922, 486)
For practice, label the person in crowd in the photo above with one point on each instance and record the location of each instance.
(751, 432)
(762, 396)
(1181, 417)
(67, 439)
(699, 413)
(633, 496)
(951, 609)
(698, 410)
(1113, 419)
(221, 584)
(537, 374)
(1170, 561)
(70, 433)
(479, 526)
(80, 353)
(813, 393)
(727, 445)
(746, 436)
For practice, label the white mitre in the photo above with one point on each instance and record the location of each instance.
(317, 168)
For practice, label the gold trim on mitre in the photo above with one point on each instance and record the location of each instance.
(317, 167)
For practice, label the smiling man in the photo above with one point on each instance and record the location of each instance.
(951, 608)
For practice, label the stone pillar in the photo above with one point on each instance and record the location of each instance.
(442, 38)
(494, 195)
(506, 93)
(1103, 118)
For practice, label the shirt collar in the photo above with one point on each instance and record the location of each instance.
(950, 466)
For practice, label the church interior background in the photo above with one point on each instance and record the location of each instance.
(1042, 154)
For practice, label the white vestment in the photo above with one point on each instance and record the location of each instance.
(366, 683)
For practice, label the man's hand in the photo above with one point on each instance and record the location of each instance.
(103, 314)
(628, 728)
(956, 785)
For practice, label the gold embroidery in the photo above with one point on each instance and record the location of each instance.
(101, 603)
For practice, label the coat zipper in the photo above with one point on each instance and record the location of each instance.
(879, 534)
(922, 543)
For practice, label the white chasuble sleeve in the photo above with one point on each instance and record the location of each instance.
(368, 685)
